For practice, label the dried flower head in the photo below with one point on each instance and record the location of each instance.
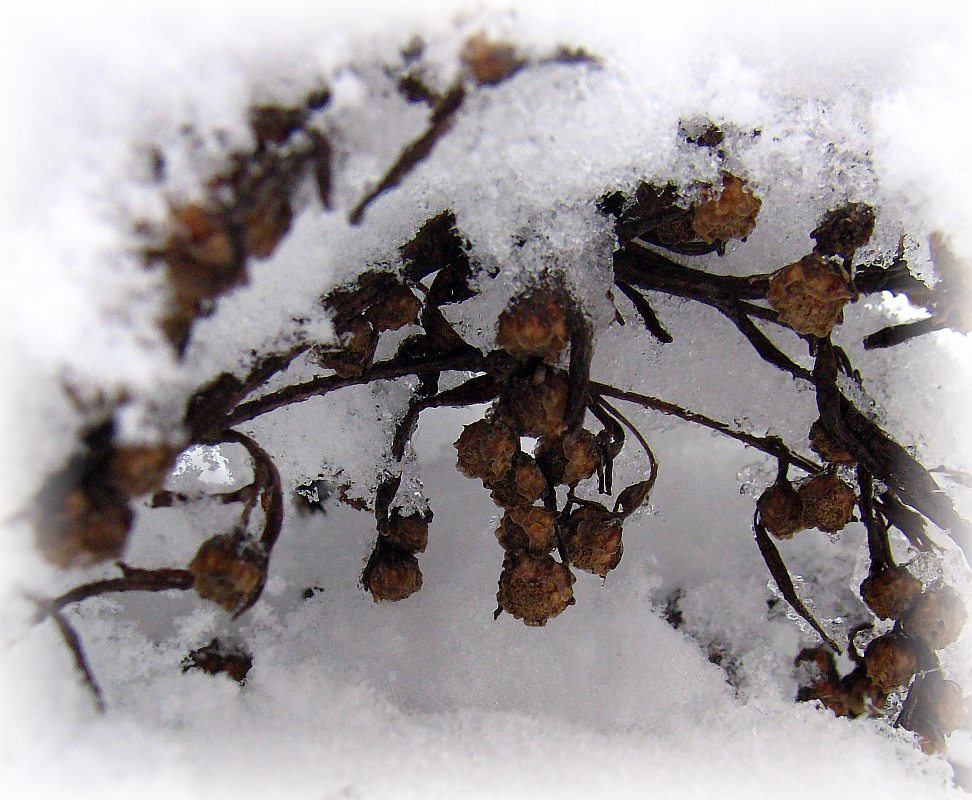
(890, 592)
(410, 531)
(891, 660)
(729, 215)
(592, 539)
(828, 503)
(523, 485)
(534, 326)
(532, 529)
(217, 657)
(570, 458)
(353, 355)
(230, 570)
(810, 295)
(936, 617)
(938, 701)
(781, 510)
(397, 308)
(487, 61)
(534, 588)
(391, 574)
(82, 524)
(486, 449)
(825, 447)
(137, 469)
(844, 229)
(536, 405)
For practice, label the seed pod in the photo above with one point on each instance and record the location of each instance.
(535, 406)
(82, 524)
(936, 617)
(890, 592)
(391, 574)
(891, 660)
(781, 510)
(938, 701)
(826, 448)
(810, 295)
(201, 235)
(828, 503)
(861, 695)
(729, 215)
(532, 529)
(489, 62)
(138, 469)
(844, 229)
(534, 588)
(592, 539)
(486, 450)
(534, 326)
(354, 354)
(217, 657)
(523, 485)
(930, 739)
(571, 458)
(398, 308)
(410, 532)
(231, 571)
(265, 225)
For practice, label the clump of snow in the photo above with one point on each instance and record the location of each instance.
(430, 697)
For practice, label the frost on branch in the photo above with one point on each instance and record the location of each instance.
(432, 317)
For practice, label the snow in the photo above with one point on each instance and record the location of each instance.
(430, 697)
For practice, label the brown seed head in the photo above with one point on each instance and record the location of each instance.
(487, 61)
(486, 449)
(810, 295)
(391, 574)
(523, 485)
(781, 510)
(137, 469)
(889, 593)
(938, 701)
(230, 571)
(891, 660)
(534, 326)
(200, 233)
(729, 215)
(534, 588)
(828, 503)
(82, 525)
(398, 307)
(844, 229)
(265, 225)
(532, 529)
(354, 354)
(936, 617)
(535, 406)
(826, 448)
(592, 539)
(571, 458)
(410, 532)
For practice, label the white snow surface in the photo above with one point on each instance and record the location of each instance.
(430, 697)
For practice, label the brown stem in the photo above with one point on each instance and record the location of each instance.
(134, 580)
(416, 151)
(784, 582)
(318, 387)
(73, 641)
(772, 445)
(877, 533)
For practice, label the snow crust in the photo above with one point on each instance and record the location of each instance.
(430, 697)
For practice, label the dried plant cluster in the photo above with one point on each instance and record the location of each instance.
(538, 383)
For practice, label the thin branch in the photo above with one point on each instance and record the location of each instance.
(134, 580)
(784, 582)
(73, 641)
(646, 312)
(897, 334)
(318, 387)
(416, 151)
(772, 445)
(877, 533)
